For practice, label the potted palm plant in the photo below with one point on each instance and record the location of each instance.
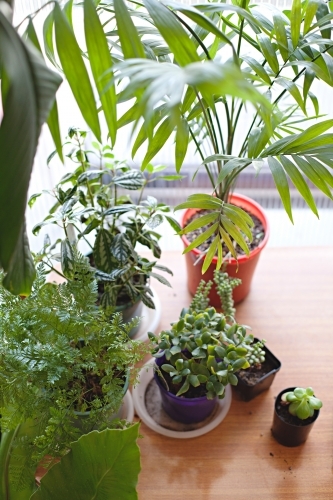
(236, 81)
(93, 205)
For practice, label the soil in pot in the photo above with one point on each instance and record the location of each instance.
(245, 265)
(287, 429)
(257, 378)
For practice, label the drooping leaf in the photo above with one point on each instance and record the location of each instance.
(100, 61)
(128, 35)
(75, 71)
(31, 90)
(281, 183)
(182, 137)
(295, 21)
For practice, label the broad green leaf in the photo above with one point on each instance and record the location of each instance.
(269, 52)
(281, 183)
(324, 141)
(173, 33)
(295, 21)
(241, 213)
(210, 254)
(182, 137)
(121, 248)
(204, 205)
(257, 68)
(109, 462)
(281, 36)
(75, 71)
(100, 61)
(299, 182)
(202, 238)
(312, 174)
(102, 254)
(293, 90)
(320, 72)
(160, 278)
(311, 133)
(201, 221)
(309, 76)
(234, 232)
(133, 180)
(161, 136)
(310, 12)
(48, 39)
(128, 35)
(173, 223)
(31, 91)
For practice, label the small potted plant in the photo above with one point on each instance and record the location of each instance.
(198, 357)
(93, 204)
(295, 412)
(61, 356)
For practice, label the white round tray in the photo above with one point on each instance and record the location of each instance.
(150, 319)
(171, 428)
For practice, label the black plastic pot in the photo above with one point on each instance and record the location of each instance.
(247, 391)
(291, 434)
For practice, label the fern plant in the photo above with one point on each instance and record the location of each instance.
(59, 355)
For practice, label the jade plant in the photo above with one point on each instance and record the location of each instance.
(59, 355)
(205, 348)
(94, 203)
(301, 402)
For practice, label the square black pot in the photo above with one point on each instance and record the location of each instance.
(248, 392)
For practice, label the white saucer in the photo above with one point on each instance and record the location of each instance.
(171, 428)
(150, 319)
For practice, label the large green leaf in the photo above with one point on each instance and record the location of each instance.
(29, 98)
(281, 183)
(295, 21)
(128, 35)
(102, 253)
(100, 62)
(75, 70)
(100, 466)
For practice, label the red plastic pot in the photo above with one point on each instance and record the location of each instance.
(246, 264)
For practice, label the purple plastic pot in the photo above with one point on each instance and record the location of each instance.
(181, 409)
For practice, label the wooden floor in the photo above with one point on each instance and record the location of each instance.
(291, 306)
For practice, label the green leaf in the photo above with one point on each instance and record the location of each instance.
(309, 76)
(132, 180)
(67, 259)
(321, 170)
(201, 221)
(312, 174)
(257, 68)
(310, 12)
(281, 183)
(269, 52)
(173, 223)
(48, 39)
(31, 91)
(102, 254)
(239, 220)
(161, 279)
(171, 30)
(293, 91)
(121, 248)
(184, 388)
(109, 462)
(128, 35)
(281, 36)
(182, 137)
(226, 238)
(100, 61)
(234, 232)
(295, 21)
(299, 183)
(162, 134)
(210, 254)
(75, 71)
(202, 238)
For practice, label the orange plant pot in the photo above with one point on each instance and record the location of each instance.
(246, 264)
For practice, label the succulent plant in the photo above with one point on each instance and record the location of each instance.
(302, 402)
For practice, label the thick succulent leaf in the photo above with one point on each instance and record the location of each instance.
(75, 71)
(281, 183)
(29, 98)
(109, 462)
(100, 61)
